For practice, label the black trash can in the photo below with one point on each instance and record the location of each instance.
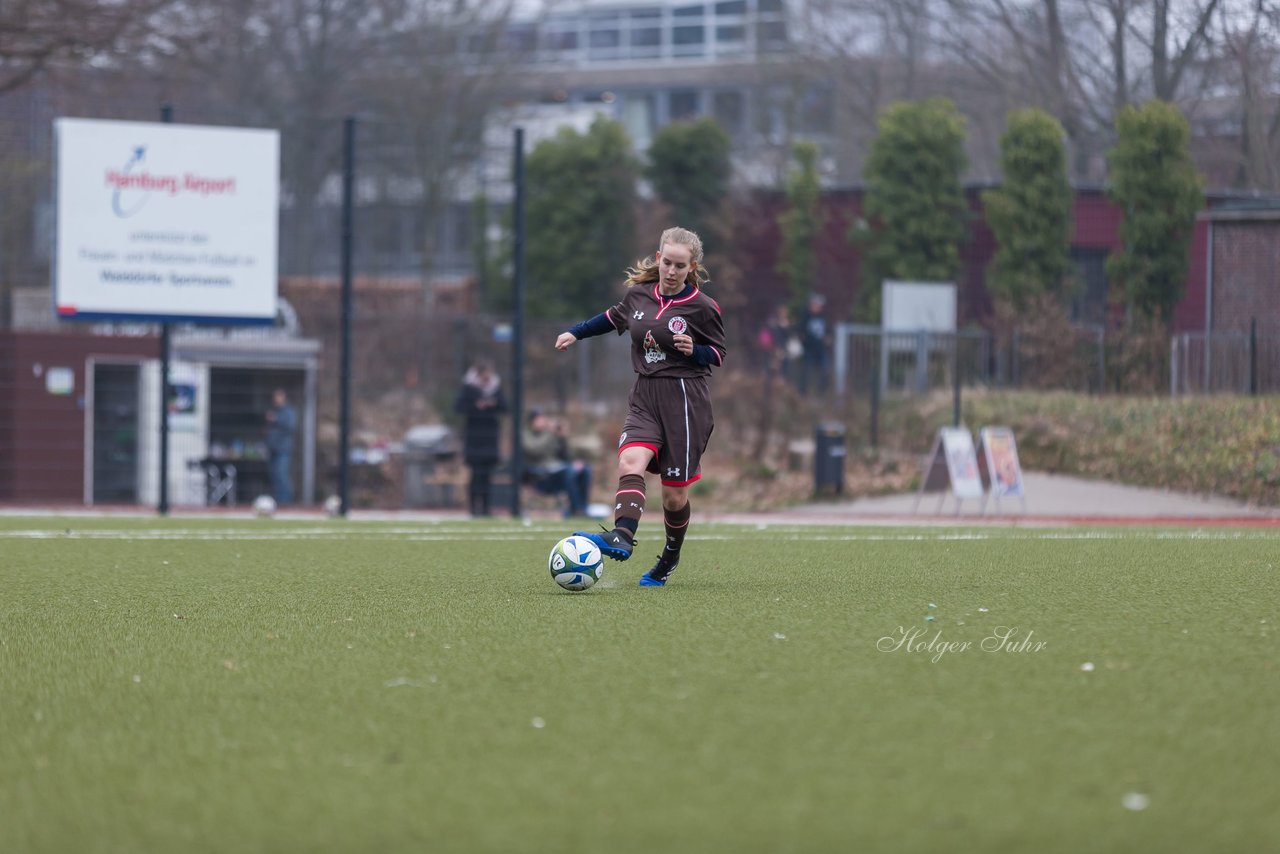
(828, 458)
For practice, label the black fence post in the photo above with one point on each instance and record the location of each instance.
(1014, 379)
(875, 406)
(1253, 356)
(517, 332)
(955, 379)
(347, 250)
(166, 116)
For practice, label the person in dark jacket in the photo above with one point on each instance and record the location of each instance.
(282, 422)
(480, 402)
(815, 335)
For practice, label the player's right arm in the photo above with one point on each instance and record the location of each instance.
(610, 320)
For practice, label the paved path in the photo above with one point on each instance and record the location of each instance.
(1050, 499)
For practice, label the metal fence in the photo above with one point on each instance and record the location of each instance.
(1223, 362)
(79, 405)
(915, 362)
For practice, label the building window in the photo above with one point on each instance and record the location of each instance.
(733, 35)
(771, 35)
(1089, 305)
(638, 117)
(681, 36)
(683, 105)
(560, 40)
(521, 38)
(732, 7)
(729, 109)
(646, 37)
(816, 113)
(688, 11)
(605, 38)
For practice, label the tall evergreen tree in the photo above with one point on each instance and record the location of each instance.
(1154, 180)
(800, 224)
(1030, 213)
(690, 168)
(579, 218)
(914, 204)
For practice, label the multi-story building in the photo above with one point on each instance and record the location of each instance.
(650, 63)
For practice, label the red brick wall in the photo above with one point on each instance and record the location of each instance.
(1246, 275)
(42, 435)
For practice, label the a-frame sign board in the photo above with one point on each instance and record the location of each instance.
(1001, 471)
(951, 467)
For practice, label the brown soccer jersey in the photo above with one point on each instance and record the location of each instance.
(669, 410)
(654, 320)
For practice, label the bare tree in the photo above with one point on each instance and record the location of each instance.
(878, 51)
(38, 34)
(1246, 99)
(448, 67)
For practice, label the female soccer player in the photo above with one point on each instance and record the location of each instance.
(677, 337)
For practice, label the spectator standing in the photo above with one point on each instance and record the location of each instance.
(481, 403)
(815, 336)
(785, 345)
(282, 423)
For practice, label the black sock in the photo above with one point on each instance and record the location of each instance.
(676, 523)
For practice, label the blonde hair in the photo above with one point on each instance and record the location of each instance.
(645, 271)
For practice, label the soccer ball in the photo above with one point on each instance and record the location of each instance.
(332, 506)
(575, 563)
(264, 506)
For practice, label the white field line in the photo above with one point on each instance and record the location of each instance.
(429, 534)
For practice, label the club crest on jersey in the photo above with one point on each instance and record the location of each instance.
(652, 352)
(678, 325)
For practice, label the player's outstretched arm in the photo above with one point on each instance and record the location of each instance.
(566, 340)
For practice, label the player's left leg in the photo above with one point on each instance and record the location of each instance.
(675, 518)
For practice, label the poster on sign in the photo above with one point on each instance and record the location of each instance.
(165, 222)
(952, 467)
(1000, 453)
(962, 462)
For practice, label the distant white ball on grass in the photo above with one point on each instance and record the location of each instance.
(332, 506)
(264, 506)
(575, 563)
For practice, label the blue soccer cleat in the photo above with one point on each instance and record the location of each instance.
(612, 544)
(657, 577)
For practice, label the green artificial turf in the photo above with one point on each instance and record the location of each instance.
(183, 685)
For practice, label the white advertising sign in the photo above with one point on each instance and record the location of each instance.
(166, 222)
(962, 462)
(912, 306)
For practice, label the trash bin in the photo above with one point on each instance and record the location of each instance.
(828, 458)
(426, 448)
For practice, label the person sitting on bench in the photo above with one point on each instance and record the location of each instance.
(549, 468)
